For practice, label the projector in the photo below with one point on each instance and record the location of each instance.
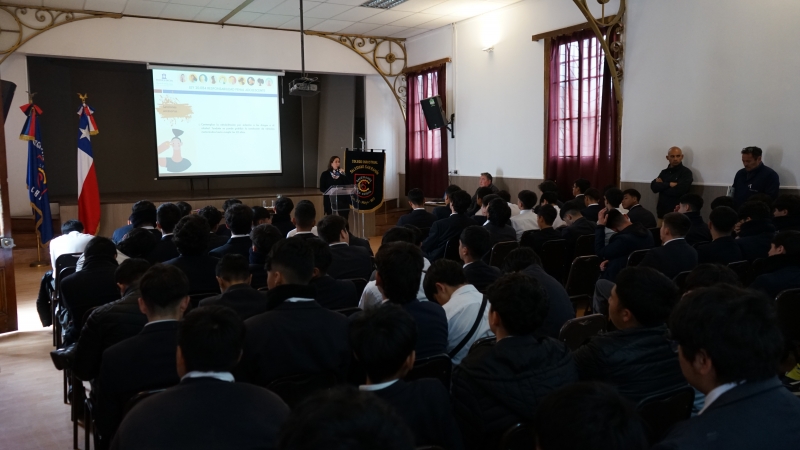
(304, 87)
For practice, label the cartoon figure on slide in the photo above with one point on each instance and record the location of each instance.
(176, 163)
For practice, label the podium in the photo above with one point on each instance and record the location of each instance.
(342, 198)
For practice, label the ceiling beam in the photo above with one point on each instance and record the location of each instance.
(235, 11)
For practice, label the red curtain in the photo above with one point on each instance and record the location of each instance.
(582, 114)
(426, 150)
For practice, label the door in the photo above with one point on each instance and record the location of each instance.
(8, 293)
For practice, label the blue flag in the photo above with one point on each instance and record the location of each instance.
(37, 177)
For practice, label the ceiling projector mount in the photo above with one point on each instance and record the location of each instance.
(303, 86)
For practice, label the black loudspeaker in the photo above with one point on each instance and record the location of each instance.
(7, 88)
(434, 112)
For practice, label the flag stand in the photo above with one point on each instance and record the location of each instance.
(38, 262)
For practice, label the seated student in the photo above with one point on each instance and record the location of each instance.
(330, 293)
(282, 219)
(675, 255)
(482, 192)
(723, 248)
(467, 312)
(383, 340)
(498, 216)
(501, 384)
(507, 198)
(261, 216)
(576, 226)
(226, 205)
(608, 421)
(238, 219)
(191, 238)
(612, 199)
(547, 187)
(591, 206)
(92, 286)
(167, 216)
(708, 275)
(690, 206)
(345, 419)
(580, 186)
(143, 215)
(263, 238)
(147, 360)
(636, 212)
(635, 358)
(357, 241)
(234, 278)
(551, 198)
(723, 200)
(628, 238)
(446, 229)
(348, 261)
(305, 218)
(139, 243)
(786, 212)
(207, 409)
(536, 239)
(755, 230)
(184, 207)
(525, 261)
(418, 217)
(781, 270)
(214, 217)
(473, 245)
(305, 337)
(729, 347)
(443, 212)
(526, 219)
(72, 240)
(481, 215)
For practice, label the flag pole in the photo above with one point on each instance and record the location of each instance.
(38, 262)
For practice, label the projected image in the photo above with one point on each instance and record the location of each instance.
(176, 162)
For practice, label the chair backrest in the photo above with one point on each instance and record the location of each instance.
(347, 312)
(583, 274)
(63, 273)
(67, 260)
(787, 306)
(577, 331)
(439, 367)
(553, 254)
(680, 280)
(500, 251)
(660, 412)
(519, 437)
(656, 232)
(296, 388)
(744, 270)
(584, 245)
(360, 284)
(636, 257)
(194, 299)
(451, 249)
(757, 268)
(424, 232)
(136, 399)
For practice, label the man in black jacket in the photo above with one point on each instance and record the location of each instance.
(147, 360)
(754, 178)
(418, 217)
(238, 219)
(690, 205)
(755, 230)
(781, 270)
(577, 226)
(635, 358)
(729, 346)
(786, 212)
(672, 183)
(234, 278)
(330, 293)
(191, 238)
(443, 212)
(675, 255)
(636, 212)
(305, 337)
(214, 217)
(167, 216)
(263, 238)
(348, 261)
(226, 205)
(484, 182)
(723, 248)
(383, 341)
(591, 204)
(446, 229)
(536, 239)
(283, 215)
(472, 246)
(500, 384)
(207, 409)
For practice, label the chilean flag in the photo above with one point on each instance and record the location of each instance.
(88, 192)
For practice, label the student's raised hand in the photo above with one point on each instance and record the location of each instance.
(601, 217)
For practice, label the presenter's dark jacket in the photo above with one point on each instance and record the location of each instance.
(431, 327)
(620, 246)
(164, 251)
(349, 261)
(591, 212)
(293, 338)
(668, 197)
(481, 275)
(787, 223)
(335, 294)
(240, 245)
(326, 180)
(780, 272)
(699, 231)
(442, 212)
(581, 227)
(637, 362)
(283, 222)
(425, 407)
(418, 217)
(107, 325)
(761, 180)
(200, 270)
(723, 251)
(441, 232)
(535, 239)
(755, 237)
(204, 412)
(497, 234)
(246, 301)
(752, 415)
(671, 258)
(92, 286)
(141, 363)
(257, 269)
(560, 307)
(359, 242)
(637, 214)
(500, 384)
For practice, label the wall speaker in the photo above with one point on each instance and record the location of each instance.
(434, 112)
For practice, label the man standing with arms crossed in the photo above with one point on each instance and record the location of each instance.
(672, 183)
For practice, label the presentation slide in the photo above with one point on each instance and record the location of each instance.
(216, 121)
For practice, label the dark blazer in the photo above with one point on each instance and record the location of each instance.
(481, 275)
(720, 251)
(120, 233)
(638, 214)
(756, 414)
(755, 238)
(283, 222)
(761, 180)
(143, 362)
(441, 212)
(246, 301)
(560, 307)
(699, 231)
(780, 272)
(479, 220)
(620, 246)
(501, 234)
(431, 327)
(164, 251)
(349, 261)
(217, 240)
(425, 407)
(237, 245)
(359, 242)
(571, 233)
(95, 285)
(204, 413)
(441, 232)
(306, 235)
(257, 269)
(591, 212)
(671, 259)
(335, 294)
(418, 217)
(787, 223)
(474, 205)
(305, 337)
(535, 239)
(668, 197)
(223, 230)
(200, 270)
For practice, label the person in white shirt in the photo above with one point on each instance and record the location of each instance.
(526, 219)
(466, 309)
(72, 240)
(305, 216)
(507, 198)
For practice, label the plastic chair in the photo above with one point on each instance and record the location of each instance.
(439, 367)
(347, 312)
(553, 254)
(451, 250)
(521, 436)
(656, 232)
(360, 285)
(744, 270)
(577, 331)
(296, 388)
(635, 258)
(500, 251)
(583, 275)
(680, 280)
(660, 412)
(584, 245)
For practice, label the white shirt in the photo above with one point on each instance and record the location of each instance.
(235, 235)
(372, 298)
(715, 393)
(222, 376)
(514, 209)
(559, 222)
(293, 232)
(376, 387)
(461, 311)
(524, 221)
(72, 242)
(298, 299)
(674, 239)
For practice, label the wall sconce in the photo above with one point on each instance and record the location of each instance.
(488, 49)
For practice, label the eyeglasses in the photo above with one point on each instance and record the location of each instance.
(673, 344)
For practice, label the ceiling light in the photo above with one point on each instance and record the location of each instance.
(488, 49)
(382, 4)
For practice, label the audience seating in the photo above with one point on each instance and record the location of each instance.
(451, 250)
(744, 270)
(635, 258)
(139, 397)
(656, 232)
(680, 280)
(553, 258)
(661, 412)
(63, 261)
(757, 268)
(194, 299)
(582, 277)
(500, 251)
(296, 388)
(347, 312)
(584, 245)
(360, 285)
(577, 331)
(521, 436)
(439, 367)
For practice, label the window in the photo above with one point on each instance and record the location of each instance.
(426, 152)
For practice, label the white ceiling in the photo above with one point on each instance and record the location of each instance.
(336, 16)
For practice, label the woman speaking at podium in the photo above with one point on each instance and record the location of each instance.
(335, 176)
